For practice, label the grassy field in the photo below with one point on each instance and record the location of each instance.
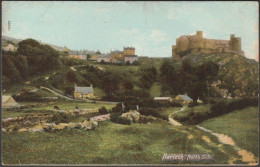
(241, 125)
(155, 90)
(110, 143)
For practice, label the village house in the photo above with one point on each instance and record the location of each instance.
(185, 99)
(9, 102)
(104, 57)
(83, 92)
(10, 47)
(131, 58)
(163, 99)
(78, 56)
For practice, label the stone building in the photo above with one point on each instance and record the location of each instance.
(83, 92)
(117, 55)
(129, 51)
(10, 47)
(131, 58)
(105, 57)
(196, 44)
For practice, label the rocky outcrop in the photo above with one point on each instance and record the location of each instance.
(132, 116)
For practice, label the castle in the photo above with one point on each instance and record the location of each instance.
(196, 44)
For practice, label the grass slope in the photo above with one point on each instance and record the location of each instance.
(241, 125)
(110, 143)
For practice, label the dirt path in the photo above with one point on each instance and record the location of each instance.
(58, 94)
(174, 122)
(246, 156)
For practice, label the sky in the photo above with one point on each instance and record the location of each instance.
(150, 27)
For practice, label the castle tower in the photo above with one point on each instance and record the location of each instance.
(234, 43)
(199, 35)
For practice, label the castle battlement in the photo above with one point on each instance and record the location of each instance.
(196, 44)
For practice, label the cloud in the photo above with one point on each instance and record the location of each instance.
(150, 43)
(173, 14)
(158, 36)
(46, 17)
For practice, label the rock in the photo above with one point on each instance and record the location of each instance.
(37, 130)
(22, 130)
(87, 125)
(48, 127)
(3, 130)
(64, 124)
(94, 123)
(78, 126)
(58, 127)
(132, 116)
(71, 125)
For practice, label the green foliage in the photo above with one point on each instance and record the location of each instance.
(195, 115)
(61, 117)
(103, 110)
(30, 58)
(69, 90)
(71, 77)
(148, 77)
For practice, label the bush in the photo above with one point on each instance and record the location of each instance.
(62, 118)
(103, 110)
(193, 104)
(117, 109)
(152, 112)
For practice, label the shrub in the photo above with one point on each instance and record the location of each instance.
(193, 104)
(152, 112)
(117, 109)
(103, 110)
(62, 118)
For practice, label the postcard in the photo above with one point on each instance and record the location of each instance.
(165, 83)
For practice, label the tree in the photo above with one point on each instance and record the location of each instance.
(128, 84)
(148, 76)
(71, 77)
(110, 83)
(88, 56)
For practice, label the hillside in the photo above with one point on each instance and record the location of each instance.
(237, 70)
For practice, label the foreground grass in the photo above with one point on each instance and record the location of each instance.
(110, 143)
(241, 125)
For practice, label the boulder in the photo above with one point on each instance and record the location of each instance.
(22, 130)
(87, 125)
(132, 116)
(48, 127)
(94, 123)
(71, 125)
(58, 127)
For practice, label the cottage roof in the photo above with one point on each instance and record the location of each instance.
(84, 90)
(162, 98)
(5, 98)
(104, 55)
(185, 97)
(131, 56)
